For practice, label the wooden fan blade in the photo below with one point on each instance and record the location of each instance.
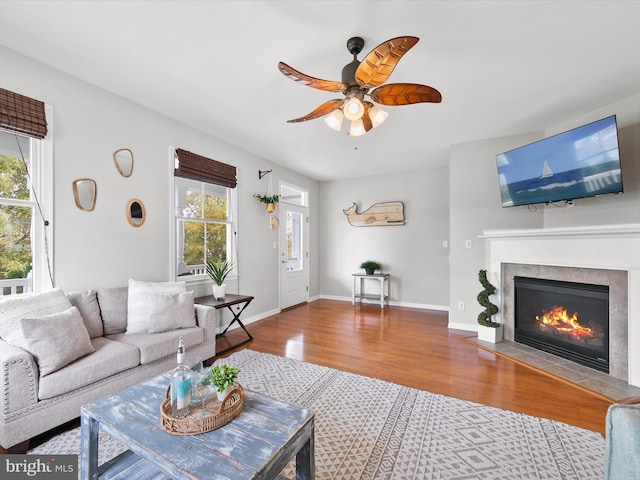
(405, 94)
(376, 67)
(326, 107)
(296, 76)
(366, 119)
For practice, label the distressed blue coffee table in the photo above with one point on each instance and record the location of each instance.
(258, 443)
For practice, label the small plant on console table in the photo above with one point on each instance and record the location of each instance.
(488, 330)
(370, 266)
(270, 201)
(223, 378)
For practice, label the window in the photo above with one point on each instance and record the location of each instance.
(204, 226)
(294, 241)
(25, 195)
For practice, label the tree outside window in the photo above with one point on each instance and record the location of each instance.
(203, 225)
(16, 211)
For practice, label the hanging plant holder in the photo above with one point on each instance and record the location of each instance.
(270, 201)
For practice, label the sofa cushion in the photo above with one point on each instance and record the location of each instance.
(109, 358)
(87, 303)
(158, 345)
(14, 308)
(170, 312)
(139, 301)
(56, 340)
(113, 307)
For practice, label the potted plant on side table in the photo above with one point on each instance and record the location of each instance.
(218, 271)
(488, 330)
(223, 378)
(370, 267)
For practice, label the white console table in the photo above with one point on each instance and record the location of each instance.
(359, 293)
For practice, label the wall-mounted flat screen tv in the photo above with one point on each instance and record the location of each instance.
(579, 163)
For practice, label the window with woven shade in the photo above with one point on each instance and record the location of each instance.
(26, 186)
(204, 204)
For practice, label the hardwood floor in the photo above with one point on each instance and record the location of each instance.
(413, 347)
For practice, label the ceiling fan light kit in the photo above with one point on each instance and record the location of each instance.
(357, 128)
(334, 120)
(358, 77)
(353, 109)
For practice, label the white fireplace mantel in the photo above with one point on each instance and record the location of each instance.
(613, 247)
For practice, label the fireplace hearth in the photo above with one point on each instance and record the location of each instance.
(567, 319)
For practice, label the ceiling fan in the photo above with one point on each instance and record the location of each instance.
(358, 77)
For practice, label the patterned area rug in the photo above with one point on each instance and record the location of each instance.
(371, 429)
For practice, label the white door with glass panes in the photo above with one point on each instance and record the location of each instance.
(294, 255)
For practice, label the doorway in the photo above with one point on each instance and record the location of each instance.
(294, 246)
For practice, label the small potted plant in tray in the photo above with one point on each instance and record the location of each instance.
(218, 271)
(488, 330)
(370, 266)
(223, 378)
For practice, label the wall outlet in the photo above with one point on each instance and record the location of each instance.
(445, 244)
(467, 244)
(460, 305)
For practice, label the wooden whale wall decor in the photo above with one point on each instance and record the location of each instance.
(378, 214)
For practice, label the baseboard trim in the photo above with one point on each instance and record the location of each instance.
(462, 326)
(422, 306)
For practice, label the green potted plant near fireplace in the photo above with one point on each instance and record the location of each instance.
(488, 330)
(218, 271)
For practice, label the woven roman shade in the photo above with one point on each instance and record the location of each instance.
(197, 167)
(22, 114)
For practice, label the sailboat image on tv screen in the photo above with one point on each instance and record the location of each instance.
(546, 171)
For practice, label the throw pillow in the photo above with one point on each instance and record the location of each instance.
(13, 308)
(86, 301)
(56, 340)
(113, 307)
(138, 303)
(170, 312)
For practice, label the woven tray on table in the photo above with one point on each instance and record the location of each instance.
(217, 415)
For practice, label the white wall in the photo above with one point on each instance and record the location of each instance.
(412, 253)
(100, 248)
(475, 206)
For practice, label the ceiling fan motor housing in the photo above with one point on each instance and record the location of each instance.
(349, 73)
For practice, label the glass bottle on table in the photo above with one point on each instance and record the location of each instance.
(180, 385)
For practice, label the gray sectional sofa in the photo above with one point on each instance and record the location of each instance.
(40, 333)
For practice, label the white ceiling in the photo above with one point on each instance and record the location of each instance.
(502, 67)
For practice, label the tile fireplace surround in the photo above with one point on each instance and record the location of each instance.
(605, 255)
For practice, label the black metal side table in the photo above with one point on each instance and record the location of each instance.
(228, 301)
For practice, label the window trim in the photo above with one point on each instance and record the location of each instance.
(44, 251)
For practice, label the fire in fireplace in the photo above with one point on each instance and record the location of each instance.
(568, 319)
